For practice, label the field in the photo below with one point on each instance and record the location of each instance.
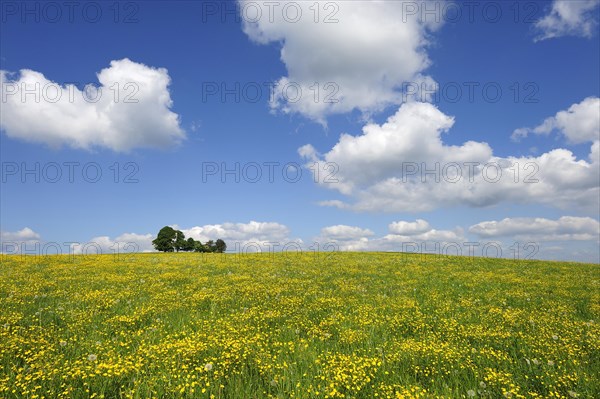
(313, 325)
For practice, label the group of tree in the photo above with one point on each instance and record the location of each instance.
(171, 240)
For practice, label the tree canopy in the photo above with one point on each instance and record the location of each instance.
(171, 240)
(165, 241)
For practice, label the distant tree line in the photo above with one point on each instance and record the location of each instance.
(171, 240)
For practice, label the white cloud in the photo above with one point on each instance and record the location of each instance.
(566, 228)
(359, 62)
(12, 242)
(402, 234)
(441, 237)
(25, 234)
(579, 124)
(240, 237)
(132, 109)
(568, 18)
(24, 240)
(245, 236)
(571, 239)
(409, 228)
(343, 232)
(128, 242)
(343, 238)
(386, 169)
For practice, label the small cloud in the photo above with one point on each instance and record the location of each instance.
(578, 124)
(26, 234)
(409, 228)
(16, 241)
(195, 126)
(343, 232)
(568, 18)
(566, 228)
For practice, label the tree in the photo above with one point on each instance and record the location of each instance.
(210, 246)
(199, 247)
(220, 246)
(169, 240)
(179, 241)
(189, 245)
(165, 241)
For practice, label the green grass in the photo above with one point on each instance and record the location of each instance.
(316, 325)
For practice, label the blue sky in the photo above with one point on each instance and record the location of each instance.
(547, 55)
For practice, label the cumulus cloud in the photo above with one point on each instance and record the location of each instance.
(28, 241)
(25, 234)
(239, 237)
(409, 228)
(128, 242)
(402, 234)
(23, 240)
(130, 108)
(358, 53)
(343, 232)
(343, 238)
(441, 237)
(245, 236)
(579, 124)
(568, 18)
(12, 242)
(540, 229)
(567, 238)
(403, 165)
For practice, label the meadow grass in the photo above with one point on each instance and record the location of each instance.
(312, 325)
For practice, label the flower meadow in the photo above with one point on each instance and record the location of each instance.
(297, 325)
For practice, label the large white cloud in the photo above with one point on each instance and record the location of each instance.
(541, 229)
(568, 18)
(358, 53)
(579, 124)
(129, 109)
(386, 169)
